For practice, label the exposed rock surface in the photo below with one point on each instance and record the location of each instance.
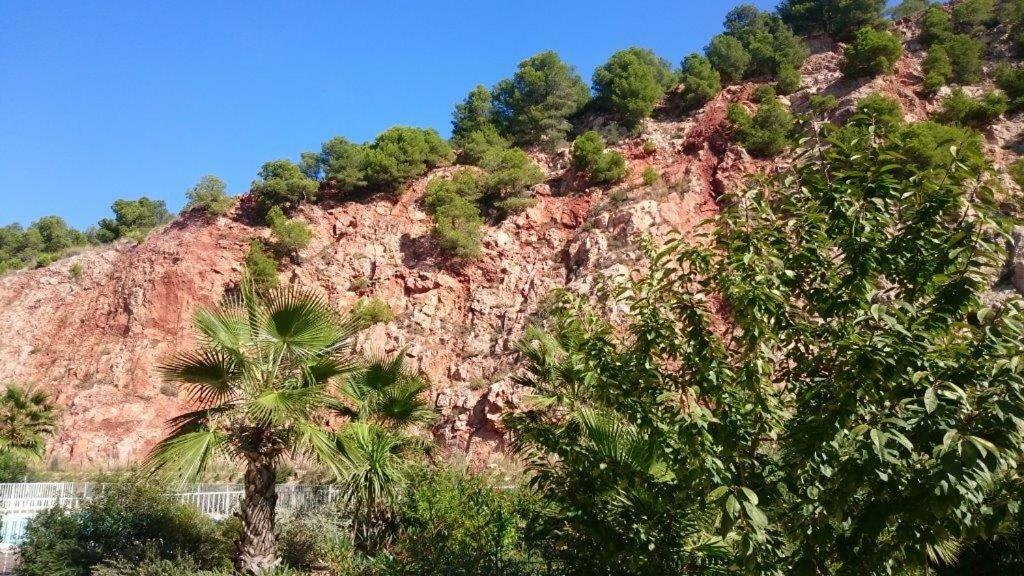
(94, 341)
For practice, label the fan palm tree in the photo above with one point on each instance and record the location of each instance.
(261, 385)
(27, 419)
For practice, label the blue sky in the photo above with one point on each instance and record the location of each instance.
(107, 100)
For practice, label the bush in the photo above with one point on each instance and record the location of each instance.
(611, 168)
(700, 81)
(650, 176)
(964, 55)
(840, 19)
(766, 38)
(401, 153)
(290, 235)
(317, 538)
(130, 520)
(937, 68)
(787, 80)
(133, 219)
(510, 175)
(1010, 80)
(75, 270)
(763, 93)
(729, 57)
(342, 163)
(472, 115)
(454, 523)
(372, 311)
(13, 468)
(822, 104)
(631, 83)
(457, 220)
(879, 110)
(927, 146)
(534, 106)
(961, 109)
(282, 183)
(209, 196)
(970, 16)
(936, 26)
(261, 267)
(154, 567)
(587, 150)
(1016, 170)
(872, 52)
(765, 134)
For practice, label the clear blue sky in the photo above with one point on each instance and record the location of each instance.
(107, 100)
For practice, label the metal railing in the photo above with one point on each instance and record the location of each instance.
(19, 503)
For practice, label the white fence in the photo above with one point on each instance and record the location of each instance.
(20, 502)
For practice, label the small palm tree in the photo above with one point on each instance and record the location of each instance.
(261, 382)
(383, 401)
(260, 385)
(27, 419)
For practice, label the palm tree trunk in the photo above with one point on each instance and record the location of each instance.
(257, 542)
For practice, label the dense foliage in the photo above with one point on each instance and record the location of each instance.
(976, 112)
(43, 241)
(857, 410)
(209, 195)
(728, 56)
(908, 8)
(701, 82)
(766, 133)
(871, 53)
(510, 174)
(840, 19)
(283, 183)
(261, 267)
(128, 521)
(290, 234)
(457, 218)
(27, 420)
(535, 105)
(631, 83)
(133, 219)
(589, 155)
(769, 42)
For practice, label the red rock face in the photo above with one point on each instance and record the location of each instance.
(94, 341)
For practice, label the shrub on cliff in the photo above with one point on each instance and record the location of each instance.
(767, 133)
(133, 219)
(1010, 80)
(400, 154)
(535, 105)
(871, 53)
(937, 68)
(589, 155)
(510, 174)
(282, 183)
(936, 25)
(290, 235)
(976, 112)
(964, 55)
(261, 267)
(970, 16)
(209, 196)
(458, 224)
(908, 8)
(473, 130)
(701, 82)
(840, 19)
(631, 83)
(766, 38)
(727, 55)
(787, 80)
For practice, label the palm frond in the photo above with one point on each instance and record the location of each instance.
(302, 323)
(210, 374)
(402, 404)
(313, 440)
(225, 327)
(276, 406)
(186, 452)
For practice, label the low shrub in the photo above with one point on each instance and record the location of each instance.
(261, 266)
(587, 150)
(209, 196)
(610, 168)
(650, 176)
(458, 223)
(372, 311)
(13, 468)
(963, 110)
(964, 55)
(130, 521)
(75, 270)
(1010, 80)
(763, 93)
(971, 16)
(290, 235)
(510, 176)
(701, 82)
(937, 68)
(872, 52)
(787, 80)
(822, 104)
(766, 133)
(936, 25)
(1016, 171)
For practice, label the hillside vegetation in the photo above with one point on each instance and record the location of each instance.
(757, 314)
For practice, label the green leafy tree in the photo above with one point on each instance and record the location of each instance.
(840, 19)
(763, 93)
(535, 105)
(210, 196)
(510, 176)
(937, 68)
(27, 420)
(936, 25)
(1010, 80)
(701, 82)
(133, 219)
(261, 385)
(964, 55)
(908, 8)
(631, 83)
(282, 183)
(767, 133)
(56, 235)
(815, 386)
(611, 167)
(787, 80)
(458, 224)
(290, 235)
(871, 53)
(769, 41)
(587, 150)
(473, 130)
(729, 57)
(976, 112)
(476, 145)
(400, 154)
(343, 164)
(261, 267)
(970, 16)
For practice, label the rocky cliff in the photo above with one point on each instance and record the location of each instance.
(93, 338)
